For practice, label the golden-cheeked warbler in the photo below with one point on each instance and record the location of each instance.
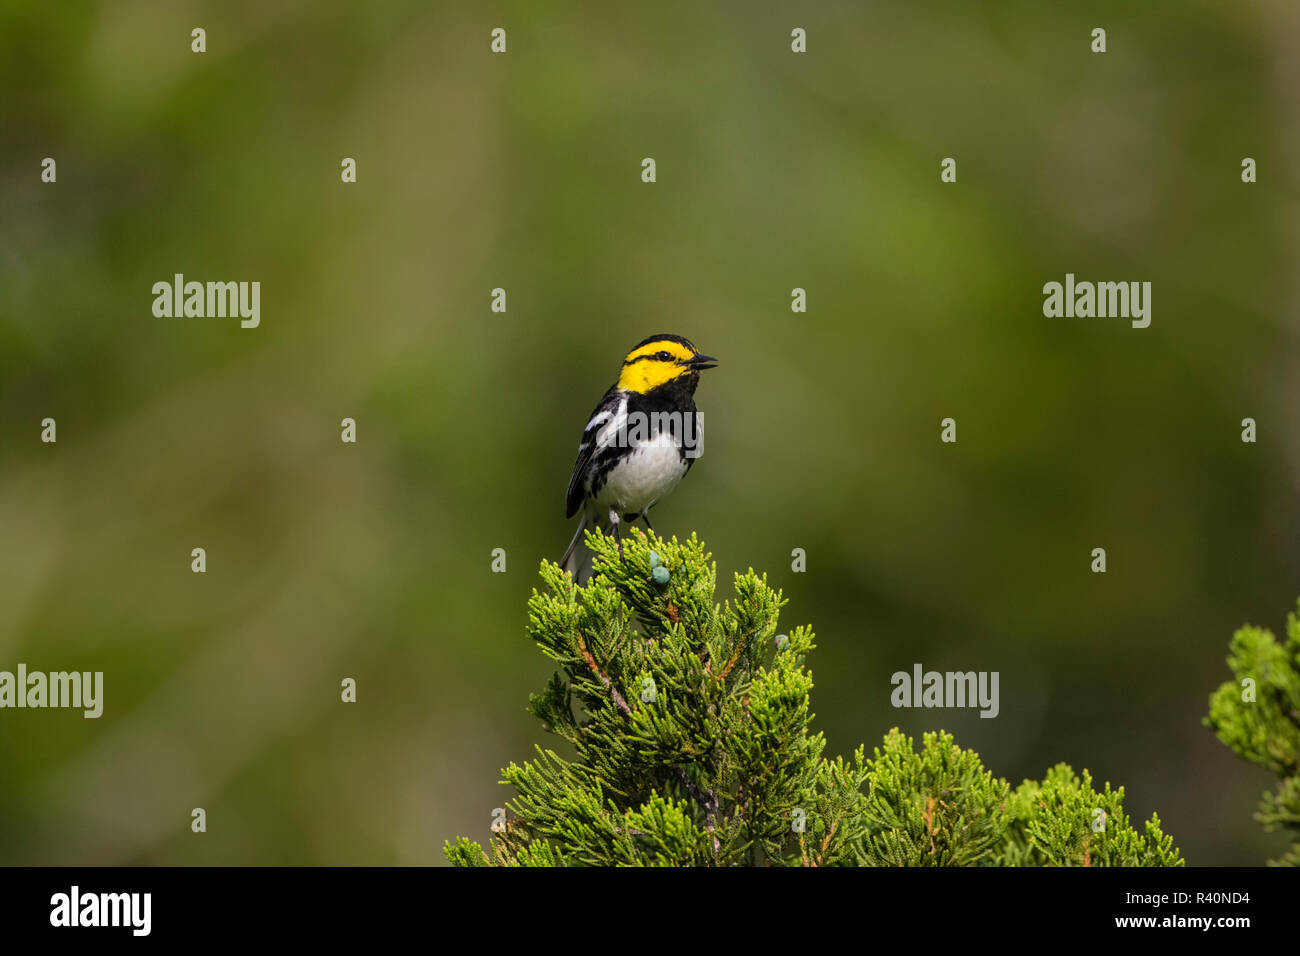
(641, 440)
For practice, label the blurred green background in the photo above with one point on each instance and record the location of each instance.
(522, 171)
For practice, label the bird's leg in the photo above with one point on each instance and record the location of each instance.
(645, 516)
(618, 534)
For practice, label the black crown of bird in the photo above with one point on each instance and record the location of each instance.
(618, 479)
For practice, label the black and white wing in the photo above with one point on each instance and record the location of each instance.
(604, 424)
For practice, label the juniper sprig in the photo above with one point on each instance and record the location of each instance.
(687, 729)
(1257, 714)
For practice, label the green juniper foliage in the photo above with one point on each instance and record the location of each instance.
(1062, 821)
(689, 725)
(1258, 715)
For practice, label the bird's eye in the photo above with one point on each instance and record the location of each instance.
(664, 357)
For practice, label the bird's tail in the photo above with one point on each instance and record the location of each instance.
(577, 556)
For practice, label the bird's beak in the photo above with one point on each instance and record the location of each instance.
(700, 362)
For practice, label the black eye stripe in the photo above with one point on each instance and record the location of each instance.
(655, 357)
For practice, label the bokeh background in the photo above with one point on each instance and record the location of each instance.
(522, 171)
